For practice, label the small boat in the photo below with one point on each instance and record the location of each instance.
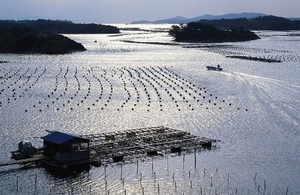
(218, 68)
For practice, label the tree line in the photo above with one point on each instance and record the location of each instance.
(60, 27)
(258, 23)
(200, 32)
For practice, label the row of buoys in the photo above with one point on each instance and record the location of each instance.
(7, 76)
(169, 81)
(56, 93)
(284, 58)
(152, 84)
(27, 80)
(211, 95)
(254, 50)
(157, 79)
(237, 50)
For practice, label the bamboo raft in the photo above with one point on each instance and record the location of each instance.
(27, 161)
(152, 141)
(125, 146)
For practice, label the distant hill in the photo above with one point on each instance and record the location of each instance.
(293, 19)
(258, 23)
(181, 19)
(60, 27)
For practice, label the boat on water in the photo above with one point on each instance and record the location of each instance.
(215, 68)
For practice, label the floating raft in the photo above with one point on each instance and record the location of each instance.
(33, 159)
(126, 145)
(112, 147)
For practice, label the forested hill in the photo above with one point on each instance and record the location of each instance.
(23, 40)
(259, 23)
(60, 27)
(199, 32)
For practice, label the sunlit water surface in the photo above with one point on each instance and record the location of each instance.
(252, 107)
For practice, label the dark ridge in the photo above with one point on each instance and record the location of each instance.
(258, 23)
(60, 27)
(199, 32)
(181, 19)
(254, 59)
(23, 40)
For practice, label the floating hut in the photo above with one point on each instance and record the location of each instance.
(65, 149)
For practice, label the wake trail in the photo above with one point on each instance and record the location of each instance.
(279, 99)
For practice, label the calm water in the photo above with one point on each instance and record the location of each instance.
(252, 107)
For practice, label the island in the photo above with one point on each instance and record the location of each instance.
(205, 33)
(44, 36)
(60, 27)
(24, 40)
(258, 23)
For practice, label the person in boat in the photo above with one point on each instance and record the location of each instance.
(218, 66)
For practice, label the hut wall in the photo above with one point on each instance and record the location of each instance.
(71, 156)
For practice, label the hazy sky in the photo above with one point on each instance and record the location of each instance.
(122, 11)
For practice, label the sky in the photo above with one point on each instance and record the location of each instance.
(126, 11)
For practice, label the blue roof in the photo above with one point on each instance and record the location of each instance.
(57, 137)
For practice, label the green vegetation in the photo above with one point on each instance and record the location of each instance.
(25, 40)
(199, 32)
(60, 27)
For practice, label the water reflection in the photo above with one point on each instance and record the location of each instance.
(255, 114)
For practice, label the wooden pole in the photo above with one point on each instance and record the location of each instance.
(35, 183)
(195, 159)
(175, 186)
(228, 178)
(168, 165)
(17, 184)
(183, 160)
(154, 178)
(121, 171)
(137, 167)
(152, 166)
